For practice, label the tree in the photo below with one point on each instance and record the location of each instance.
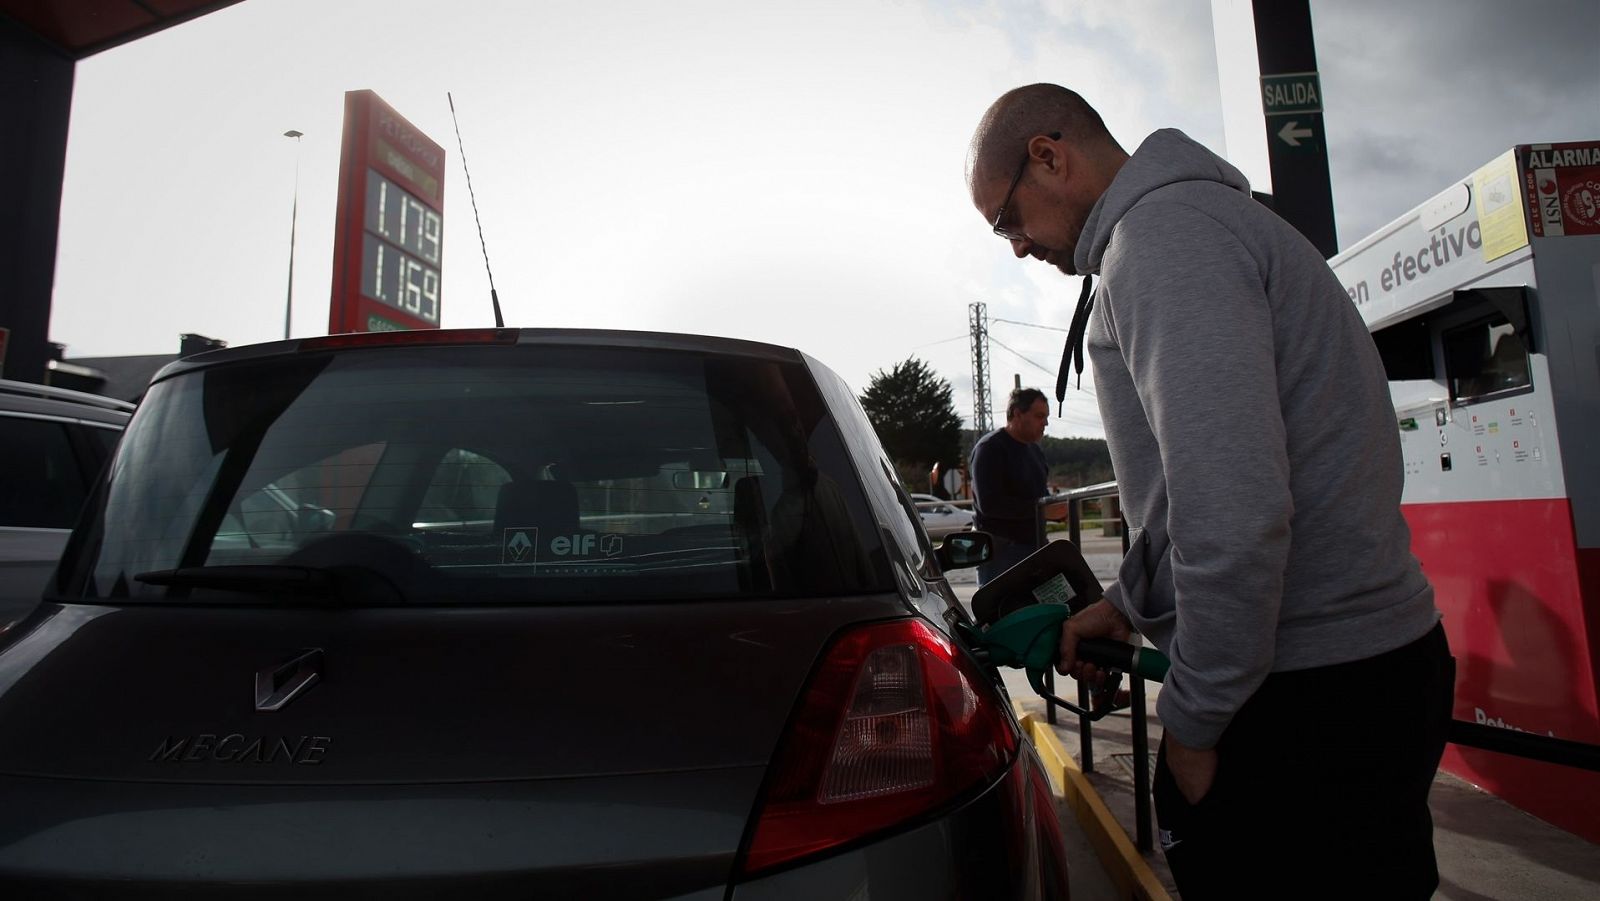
(912, 410)
(1075, 462)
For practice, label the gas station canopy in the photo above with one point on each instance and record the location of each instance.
(80, 28)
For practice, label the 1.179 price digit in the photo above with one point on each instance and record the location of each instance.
(401, 219)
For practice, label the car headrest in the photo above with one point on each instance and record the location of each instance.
(539, 504)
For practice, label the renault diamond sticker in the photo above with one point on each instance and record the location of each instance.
(519, 546)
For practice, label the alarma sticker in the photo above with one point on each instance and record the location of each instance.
(1562, 183)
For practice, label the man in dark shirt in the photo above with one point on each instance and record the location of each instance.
(1008, 478)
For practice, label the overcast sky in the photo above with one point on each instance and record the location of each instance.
(781, 171)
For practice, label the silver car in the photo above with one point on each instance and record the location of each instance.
(940, 517)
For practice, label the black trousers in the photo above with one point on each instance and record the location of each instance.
(1322, 785)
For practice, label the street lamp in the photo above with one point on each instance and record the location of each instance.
(294, 214)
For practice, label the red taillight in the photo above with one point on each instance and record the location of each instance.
(895, 723)
(412, 338)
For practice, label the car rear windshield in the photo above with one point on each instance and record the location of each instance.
(487, 475)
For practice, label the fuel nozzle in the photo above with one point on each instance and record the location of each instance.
(1029, 639)
(1019, 617)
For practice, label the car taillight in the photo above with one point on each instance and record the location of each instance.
(411, 338)
(895, 723)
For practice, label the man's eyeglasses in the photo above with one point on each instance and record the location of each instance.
(1011, 234)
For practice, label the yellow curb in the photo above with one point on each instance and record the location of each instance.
(1123, 862)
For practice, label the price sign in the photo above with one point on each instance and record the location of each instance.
(390, 225)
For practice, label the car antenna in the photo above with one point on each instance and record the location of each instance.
(499, 321)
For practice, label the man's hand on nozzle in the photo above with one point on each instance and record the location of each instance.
(1098, 620)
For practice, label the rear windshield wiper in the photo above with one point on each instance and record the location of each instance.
(251, 578)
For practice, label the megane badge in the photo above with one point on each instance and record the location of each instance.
(277, 686)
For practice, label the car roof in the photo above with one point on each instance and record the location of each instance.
(47, 400)
(553, 337)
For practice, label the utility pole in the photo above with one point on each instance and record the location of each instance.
(1272, 109)
(978, 321)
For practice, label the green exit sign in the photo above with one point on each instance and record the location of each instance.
(1298, 92)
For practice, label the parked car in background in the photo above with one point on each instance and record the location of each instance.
(501, 613)
(940, 517)
(53, 444)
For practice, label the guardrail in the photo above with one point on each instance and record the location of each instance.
(1462, 732)
(1143, 833)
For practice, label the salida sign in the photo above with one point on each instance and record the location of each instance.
(1293, 106)
(1298, 92)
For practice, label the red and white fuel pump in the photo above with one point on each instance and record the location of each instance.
(1485, 306)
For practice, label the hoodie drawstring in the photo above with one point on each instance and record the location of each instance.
(1072, 354)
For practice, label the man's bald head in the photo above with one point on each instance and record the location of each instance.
(1020, 114)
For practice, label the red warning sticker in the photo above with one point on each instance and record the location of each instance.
(1580, 203)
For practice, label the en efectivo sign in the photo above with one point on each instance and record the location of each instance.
(1419, 259)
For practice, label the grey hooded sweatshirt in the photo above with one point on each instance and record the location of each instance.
(1253, 437)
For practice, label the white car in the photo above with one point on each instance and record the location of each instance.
(939, 517)
(53, 444)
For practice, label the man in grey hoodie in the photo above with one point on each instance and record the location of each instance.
(1255, 446)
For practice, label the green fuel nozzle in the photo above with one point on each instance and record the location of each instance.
(1029, 639)
(1019, 617)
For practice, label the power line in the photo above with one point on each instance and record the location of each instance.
(961, 337)
(1030, 324)
(993, 340)
(996, 341)
(1066, 416)
(1079, 418)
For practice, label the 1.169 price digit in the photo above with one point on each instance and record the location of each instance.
(399, 280)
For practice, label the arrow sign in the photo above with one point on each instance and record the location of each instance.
(1291, 134)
